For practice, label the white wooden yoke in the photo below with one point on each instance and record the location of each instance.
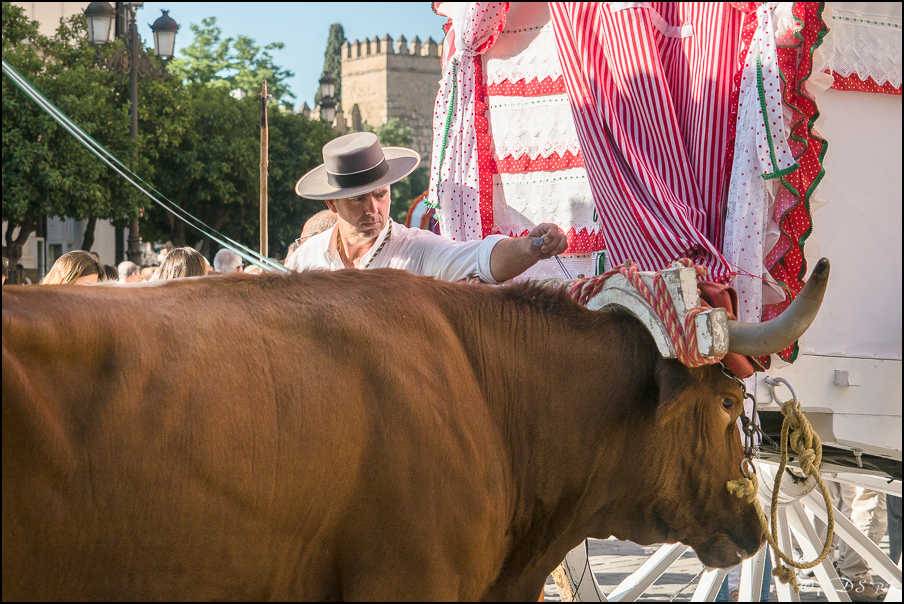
(681, 283)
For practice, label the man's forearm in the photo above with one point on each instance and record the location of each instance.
(513, 256)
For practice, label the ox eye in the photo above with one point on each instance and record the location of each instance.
(727, 404)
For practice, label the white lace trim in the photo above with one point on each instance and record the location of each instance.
(523, 54)
(867, 45)
(535, 126)
(567, 200)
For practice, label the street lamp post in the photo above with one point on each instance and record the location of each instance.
(100, 16)
(327, 104)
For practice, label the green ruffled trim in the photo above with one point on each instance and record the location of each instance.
(765, 111)
(806, 197)
(442, 155)
(781, 173)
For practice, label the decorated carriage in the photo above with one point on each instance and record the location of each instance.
(752, 138)
(650, 151)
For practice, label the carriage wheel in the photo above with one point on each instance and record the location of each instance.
(576, 581)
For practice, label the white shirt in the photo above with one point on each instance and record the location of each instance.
(414, 250)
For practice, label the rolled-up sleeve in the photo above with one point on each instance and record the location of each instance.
(455, 260)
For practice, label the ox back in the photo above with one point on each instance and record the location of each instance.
(358, 435)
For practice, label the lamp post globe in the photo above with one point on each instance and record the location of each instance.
(327, 110)
(327, 104)
(100, 16)
(165, 29)
(327, 85)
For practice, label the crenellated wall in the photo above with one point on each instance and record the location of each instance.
(389, 79)
(363, 48)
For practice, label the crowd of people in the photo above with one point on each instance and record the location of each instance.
(79, 267)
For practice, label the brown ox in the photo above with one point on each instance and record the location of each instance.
(360, 435)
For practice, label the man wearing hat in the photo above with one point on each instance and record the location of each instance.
(354, 182)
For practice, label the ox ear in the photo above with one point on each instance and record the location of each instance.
(673, 380)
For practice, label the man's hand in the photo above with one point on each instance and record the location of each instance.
(553, 240)
(511, 257)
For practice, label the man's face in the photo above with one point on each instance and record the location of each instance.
(366, 214)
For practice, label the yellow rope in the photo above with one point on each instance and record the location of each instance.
(797, 430)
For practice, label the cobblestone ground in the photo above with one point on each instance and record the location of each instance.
(612, 561)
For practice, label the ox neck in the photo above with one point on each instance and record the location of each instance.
(540, 396)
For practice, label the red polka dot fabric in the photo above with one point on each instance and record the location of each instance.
(524, 163)
(579, 242)
(785, 261)
(528, 87)
(853, 83)
(762, 153)
(461, 194)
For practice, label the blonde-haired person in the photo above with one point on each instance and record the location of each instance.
(147, 273)
(183, 262)
(75, 268)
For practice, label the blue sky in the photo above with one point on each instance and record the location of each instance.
(302, 26)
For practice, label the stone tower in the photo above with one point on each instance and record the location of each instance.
(387, 80)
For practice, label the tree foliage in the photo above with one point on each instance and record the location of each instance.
(231, 64)
(296, 147)
(214, 173)
(45, 170)
(332, 61)
(197, 145)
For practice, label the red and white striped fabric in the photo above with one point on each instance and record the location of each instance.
(649, 86)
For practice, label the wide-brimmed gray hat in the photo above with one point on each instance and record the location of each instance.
(355, 164)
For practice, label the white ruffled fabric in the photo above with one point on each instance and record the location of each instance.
(523, 54)
(749, 205)
(454, 183)
(517, 205)
(536, 126)
(539, 127)
(866, 43)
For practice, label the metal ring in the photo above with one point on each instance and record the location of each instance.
(773, 381)
(749, 463)
(730, 375)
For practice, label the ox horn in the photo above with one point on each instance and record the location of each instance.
(760, 339)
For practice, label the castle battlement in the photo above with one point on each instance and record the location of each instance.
(360, 49)
(383, 79)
